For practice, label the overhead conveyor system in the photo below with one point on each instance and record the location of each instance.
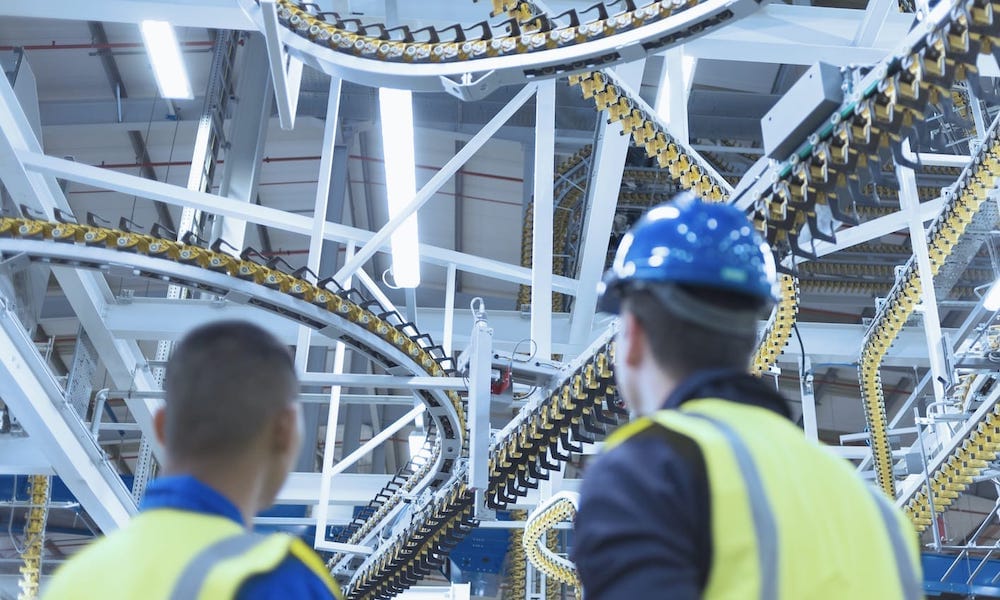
(474, 59)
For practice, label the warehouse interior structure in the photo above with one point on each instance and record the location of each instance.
(451, 406)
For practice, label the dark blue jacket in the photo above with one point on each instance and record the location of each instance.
(291, 579)
(643, 528)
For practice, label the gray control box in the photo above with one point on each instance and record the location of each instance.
(802, 110)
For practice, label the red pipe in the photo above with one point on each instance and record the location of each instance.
(269, 159)
(91, 46)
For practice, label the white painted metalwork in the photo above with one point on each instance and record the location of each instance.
(480, 366)
(87, 293)
(909, 203)
(446, 172)
(38, 402)
(603, 188)
(542, 219)
(286, 70)
(377, 439)
(269, 217)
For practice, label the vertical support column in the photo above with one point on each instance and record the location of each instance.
(332, 418)
(675, 86)
(535, 584)
(324, 178)
(248, 134)
(480, 365)
(909, 202)
(808, 399)
(541, 240)
(610, 152)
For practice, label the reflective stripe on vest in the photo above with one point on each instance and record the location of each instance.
(763, 517)
(755, 478)
(907, 576)
(192, 579)
(175, 554)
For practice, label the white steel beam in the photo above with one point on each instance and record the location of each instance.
(828, 342)
(304, 488)
(286, 70)
(323, 181)
(448, 327)
(606, 171)
(35, 398)
(674, 89)
(106, 179)
(381, 238)
(23, 456)
(377, 439)
(332, 420)
(88, 293)
(909, 202)
(247, 134)
(874, 19)
(480, 365)
(383, 381)
(542, 219)
(877, 228)
(802, 35)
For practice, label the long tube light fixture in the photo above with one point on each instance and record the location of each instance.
(396, 113)
(992, 300)
(165, 56)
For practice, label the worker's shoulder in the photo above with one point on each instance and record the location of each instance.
(653, 460)
(299, 575)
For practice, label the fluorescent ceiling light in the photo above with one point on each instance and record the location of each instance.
(165, 56)
(396, 113)
(992, 300)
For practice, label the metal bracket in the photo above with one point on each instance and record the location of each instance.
(470, 88)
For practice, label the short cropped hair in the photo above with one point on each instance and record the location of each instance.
(681, 347)
(224, 382)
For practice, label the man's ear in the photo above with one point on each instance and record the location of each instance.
(160, 426)
(283, 428)
(634, 340)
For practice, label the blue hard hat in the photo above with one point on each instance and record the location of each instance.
(691, 243)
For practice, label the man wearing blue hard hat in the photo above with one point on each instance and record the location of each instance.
(712, 492)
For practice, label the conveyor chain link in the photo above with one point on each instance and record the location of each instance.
(516, 566)
(582, 404)
(640, 122)
(557, 569)
(958, 471)
(779, 329)
(417, 551)
(522, 33)
(847, 152)
(964, 199)
(34, 536)
(349, 305)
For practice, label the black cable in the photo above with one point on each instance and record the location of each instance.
(802, 348)
(802, 362)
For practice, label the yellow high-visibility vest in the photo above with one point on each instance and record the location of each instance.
(790, 520)
(168, 554)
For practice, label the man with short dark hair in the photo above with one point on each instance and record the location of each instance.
(231, 428)
(712, 492)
